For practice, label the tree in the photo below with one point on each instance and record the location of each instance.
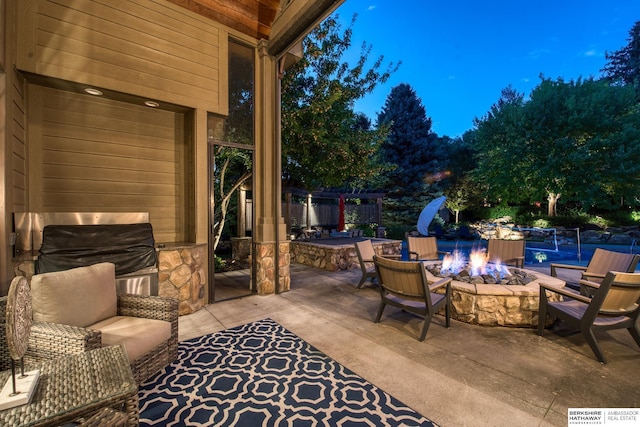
(498, 148)
(231, 170)
(324, 142)
(577, 140)
(463, 191)
(623, 66)
(461, 195)
(416, 152)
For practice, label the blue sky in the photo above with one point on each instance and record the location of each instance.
(459, 54)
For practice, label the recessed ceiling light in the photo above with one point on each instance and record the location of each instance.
(152, 104)
(93, 91)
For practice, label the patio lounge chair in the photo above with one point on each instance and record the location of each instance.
(366, 252)
(614, 306)
(404, 284)
(601, 262)
(424, 248)
(506, 251)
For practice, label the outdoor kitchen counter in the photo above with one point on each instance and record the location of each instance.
(182, 272)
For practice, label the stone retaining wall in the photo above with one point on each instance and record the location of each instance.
(336, 257)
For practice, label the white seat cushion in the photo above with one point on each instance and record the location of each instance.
(138, 335)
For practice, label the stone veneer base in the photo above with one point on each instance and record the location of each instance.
(182, 274)
(266, 267)
(499, 305)
(333, 257)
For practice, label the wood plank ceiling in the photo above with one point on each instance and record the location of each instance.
(251, 17)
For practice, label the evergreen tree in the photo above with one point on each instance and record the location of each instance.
(623, 65)
(415, 151)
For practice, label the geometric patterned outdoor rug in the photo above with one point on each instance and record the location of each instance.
(260, 374)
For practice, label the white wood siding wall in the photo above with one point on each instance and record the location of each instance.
(150, 48)
(98, 155)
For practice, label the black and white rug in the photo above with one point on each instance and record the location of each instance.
(260, 374)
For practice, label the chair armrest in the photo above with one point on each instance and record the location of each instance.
(565, 292)
(590, 284)
(565, 266)
(587, 276)
(149, 307)
(153, 307)
(52, 340)
(440, 283)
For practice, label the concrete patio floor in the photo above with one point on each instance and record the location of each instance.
(462, 376)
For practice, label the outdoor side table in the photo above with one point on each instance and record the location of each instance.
(78, 386)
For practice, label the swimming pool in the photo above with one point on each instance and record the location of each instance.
(538, 252)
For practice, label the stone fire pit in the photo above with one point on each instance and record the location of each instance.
(499, 304)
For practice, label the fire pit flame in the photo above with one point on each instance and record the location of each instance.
(478, 264)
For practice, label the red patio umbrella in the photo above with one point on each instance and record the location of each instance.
(341, 213)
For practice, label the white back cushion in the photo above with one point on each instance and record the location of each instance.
(78, 297)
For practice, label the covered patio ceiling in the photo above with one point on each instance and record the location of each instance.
(282, 22)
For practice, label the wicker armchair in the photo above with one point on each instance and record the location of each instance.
(49, 340)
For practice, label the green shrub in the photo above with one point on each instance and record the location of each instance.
(398, 232)
(495, 212)
(503, 211)
(219, 263)
(622, 217)
(541, 223)
(368, 230)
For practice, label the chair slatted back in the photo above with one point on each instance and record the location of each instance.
(505, 251)
(623, 294)
(365, 251)
(604, 261)
(406, 279)
(425, 247)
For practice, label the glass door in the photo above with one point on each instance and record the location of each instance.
(231, 217)
(231, 148)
